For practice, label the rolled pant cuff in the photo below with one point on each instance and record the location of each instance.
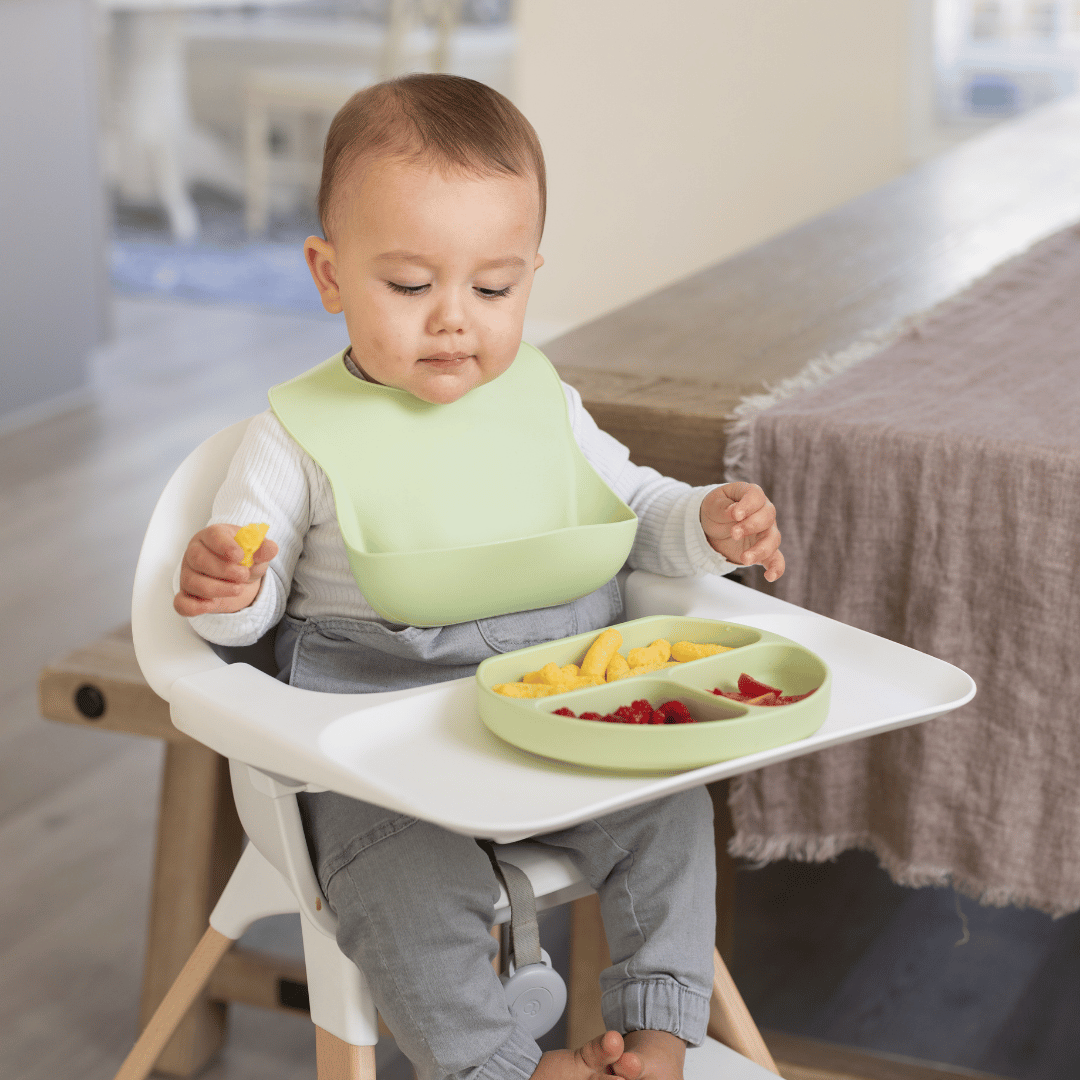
(657, 1005)
(515, 1059)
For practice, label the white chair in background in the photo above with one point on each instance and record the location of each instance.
(241, 709)
(295, 93)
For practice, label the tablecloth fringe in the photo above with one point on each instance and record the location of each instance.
(817, 371)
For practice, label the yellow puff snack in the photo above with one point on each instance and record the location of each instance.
(539, 690)
(579, 681)
(617, 668)
(646, 668)
(250, 538)
(659, 652)
(526, 689)
(549, 673)
(600, 653)
(690, 650)
(552, 674)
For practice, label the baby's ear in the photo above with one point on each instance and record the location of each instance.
(322, 262)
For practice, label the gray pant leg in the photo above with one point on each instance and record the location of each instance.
(654, 867)
(415, 905)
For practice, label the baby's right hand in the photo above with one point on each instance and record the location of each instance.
(212, 581)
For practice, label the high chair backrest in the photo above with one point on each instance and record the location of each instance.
(166, 647)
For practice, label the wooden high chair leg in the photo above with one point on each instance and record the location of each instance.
(338, 1060)
(730, 1021)
(192, 978)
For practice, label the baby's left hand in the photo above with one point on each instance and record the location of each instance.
(740, 523)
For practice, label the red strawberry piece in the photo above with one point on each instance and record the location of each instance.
(731, 695)
(591, 716)
(565, 712)
(625, 715)
(657, 717)
(641, 711)
(752, 688)
(790, 699)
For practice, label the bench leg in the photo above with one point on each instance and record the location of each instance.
(198, 844)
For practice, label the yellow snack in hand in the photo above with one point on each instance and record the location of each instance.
(600, 653)
(617, 668)
(691, 650)
(250, 538)
(658, 652)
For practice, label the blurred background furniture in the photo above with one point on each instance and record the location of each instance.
(154, 149)
(294, 93)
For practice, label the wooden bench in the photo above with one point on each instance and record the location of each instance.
(662, 375)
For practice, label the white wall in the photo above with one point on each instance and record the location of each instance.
(679, 133)
(53, 286)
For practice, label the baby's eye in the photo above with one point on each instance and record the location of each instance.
(406, 290)
(490, 294)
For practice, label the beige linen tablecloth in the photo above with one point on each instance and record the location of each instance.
(931, 494)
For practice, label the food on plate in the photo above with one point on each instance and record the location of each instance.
(659, 652)
(250, 538)
(604, 663)
(638, 712)
(753, 692)
(552, 674)
(600, 652)
(617, 668)
(684, 651)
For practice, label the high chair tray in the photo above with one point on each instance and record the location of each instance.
(723, 728)
(426, 753)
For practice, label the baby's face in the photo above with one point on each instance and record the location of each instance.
(433, 273)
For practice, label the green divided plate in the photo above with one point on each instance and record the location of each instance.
(724, 728)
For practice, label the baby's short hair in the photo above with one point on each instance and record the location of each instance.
(444, 120)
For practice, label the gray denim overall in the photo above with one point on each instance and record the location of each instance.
(415, 903)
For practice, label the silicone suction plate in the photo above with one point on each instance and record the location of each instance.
(724, 728)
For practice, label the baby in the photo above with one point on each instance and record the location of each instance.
(432, 204)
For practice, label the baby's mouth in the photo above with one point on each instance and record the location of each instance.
(446, 357)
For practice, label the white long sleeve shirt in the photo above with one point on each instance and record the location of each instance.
(272, 479)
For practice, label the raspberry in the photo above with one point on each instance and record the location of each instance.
(676, 713)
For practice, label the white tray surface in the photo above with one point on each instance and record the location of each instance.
(425, 752)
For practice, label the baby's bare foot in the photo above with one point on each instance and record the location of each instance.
(600, 1057)
(660, 1056)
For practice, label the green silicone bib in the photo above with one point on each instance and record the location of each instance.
(462, 511)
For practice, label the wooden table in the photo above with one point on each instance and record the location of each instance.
(662, 375)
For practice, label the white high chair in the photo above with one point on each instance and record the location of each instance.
(281, 740)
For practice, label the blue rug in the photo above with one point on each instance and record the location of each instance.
(264, 275)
